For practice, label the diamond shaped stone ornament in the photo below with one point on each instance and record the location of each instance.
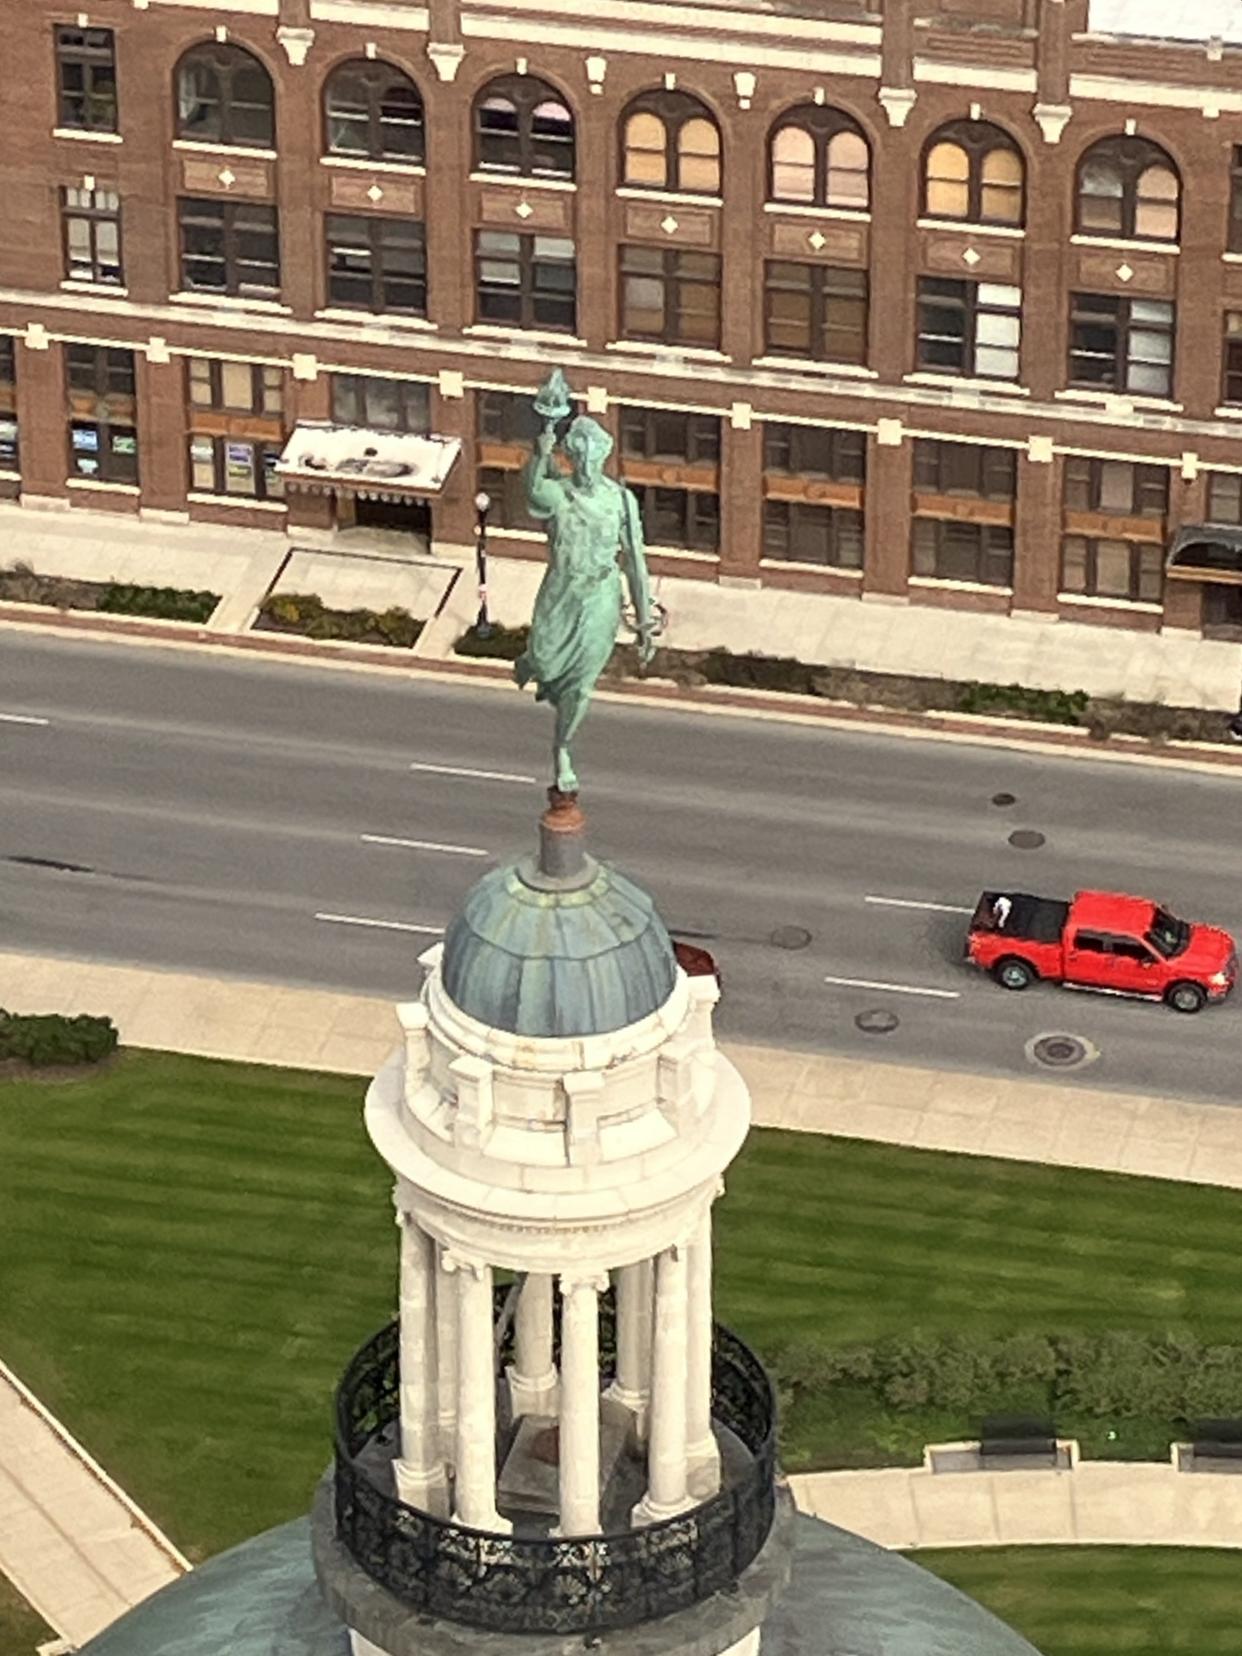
(668, 224)
(1124, 272)
(375, 193)
(970, 257)
(227, 177)
(523, 209)
(816, 239)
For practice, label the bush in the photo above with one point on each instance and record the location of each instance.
(1048, 706)
(501, 643)
(51, 1038)
(306, 613)
(166, 603)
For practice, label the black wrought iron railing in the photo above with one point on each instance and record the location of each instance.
(531, 1584)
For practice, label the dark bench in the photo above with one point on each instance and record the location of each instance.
(1009, 1437)
(1217, 1440)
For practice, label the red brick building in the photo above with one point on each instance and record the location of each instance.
(936, 303)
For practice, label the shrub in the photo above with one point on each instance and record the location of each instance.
(167, 603)
(1048, 706)
(306, 612)
(501, 643)
(51, 1038)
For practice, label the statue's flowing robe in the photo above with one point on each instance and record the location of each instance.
(578, 606)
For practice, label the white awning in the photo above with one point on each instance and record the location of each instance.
(1168, 19)
(379, 464)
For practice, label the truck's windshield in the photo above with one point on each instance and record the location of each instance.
(1167, 934)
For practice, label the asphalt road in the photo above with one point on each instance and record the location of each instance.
(212, 811)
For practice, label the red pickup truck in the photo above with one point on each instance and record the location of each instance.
(1104, 941)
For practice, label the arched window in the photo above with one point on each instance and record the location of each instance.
(1128, 187)
(818, 157)
(669, 141)
(373, 110)
(973, 171)
(522, 126)
(224, 96)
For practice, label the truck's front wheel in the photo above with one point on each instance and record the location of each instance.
(1012, 973)
(1186, 997)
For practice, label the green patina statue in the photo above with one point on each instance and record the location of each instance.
(590, 518)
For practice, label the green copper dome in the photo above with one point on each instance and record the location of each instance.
(534, 955)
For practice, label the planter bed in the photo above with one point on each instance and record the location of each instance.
(1097, 717)
(306, 615)
(22, 585)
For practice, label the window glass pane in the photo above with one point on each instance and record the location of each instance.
(1073, 564)
(646, 145)
(236, 385)
(848, 170)
(1112, 569)
(698, 158)
(1100, 192)
(202, 465)
(793, 165)
(239, 468)
(273, 390)
(1150, 575)
(1116, 486)
(199, 371)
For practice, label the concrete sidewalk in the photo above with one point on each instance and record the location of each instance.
(376, 571)
(72, 1543)
(1049, 1121)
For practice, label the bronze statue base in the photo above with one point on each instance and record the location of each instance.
(562, 835)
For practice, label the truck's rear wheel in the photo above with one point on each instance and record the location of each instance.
(1012, 973)
(1186, 997)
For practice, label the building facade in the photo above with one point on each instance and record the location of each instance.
(935, 303)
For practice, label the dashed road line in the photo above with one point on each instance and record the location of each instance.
(915, 903)
(895, 988)
(22, 719)
(474, 775)
(380, 925)
(424, 845)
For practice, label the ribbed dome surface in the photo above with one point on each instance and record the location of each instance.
(547, 962)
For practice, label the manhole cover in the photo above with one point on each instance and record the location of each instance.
(1061, 1051)
(1026, 839)
(791, 937)
(877, 1021)
(1004, 799)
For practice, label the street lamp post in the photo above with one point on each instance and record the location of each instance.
(482, 505)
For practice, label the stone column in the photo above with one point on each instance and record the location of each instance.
(702, 1453)
(632, 1386)
(532, 1374)
(667, 1491)
(579, 1443)
(446, 1357)
(419, 1472)
(474, 1495)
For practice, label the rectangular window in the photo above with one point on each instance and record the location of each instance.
(954, 549)
(504, 488)
(1132, 571)
(381, 404)
(1231, 358)
(105, 452)
(1225, 498)
(1121, 344)
(684, 518)
(235, 387)
(815, 311)
(86, 71)
(972, 329)
(815, 451)
(970, 470)
(234, 466)
(101, 370)
(525, 281)
(229, 247)
(507, 417)
(800, 532)
(9, 453)
(92, 232)
(1116, 488)
(670, 295)
(376, 264)
(1235, 201)
(669, 434)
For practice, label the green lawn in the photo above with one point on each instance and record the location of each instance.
(21, 1631)
(1106, 1601)
(189, 1252)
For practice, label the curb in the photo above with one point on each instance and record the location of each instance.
(979, 729)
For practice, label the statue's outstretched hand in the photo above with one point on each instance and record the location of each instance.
(646, 645)
(545, 443)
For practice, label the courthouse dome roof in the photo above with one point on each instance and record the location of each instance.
(537, 956)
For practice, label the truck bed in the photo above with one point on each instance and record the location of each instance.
(1033, 919)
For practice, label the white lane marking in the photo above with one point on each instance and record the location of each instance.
(381, 925)
(22, 718)
(424, 845)
(474, 775)
(895, 988)
(910, 902)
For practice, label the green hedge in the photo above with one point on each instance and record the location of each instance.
(306, 613)
(1050, 706)
(167, 603)
(501, 643)
(41, 1039)
(1114, 1375)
